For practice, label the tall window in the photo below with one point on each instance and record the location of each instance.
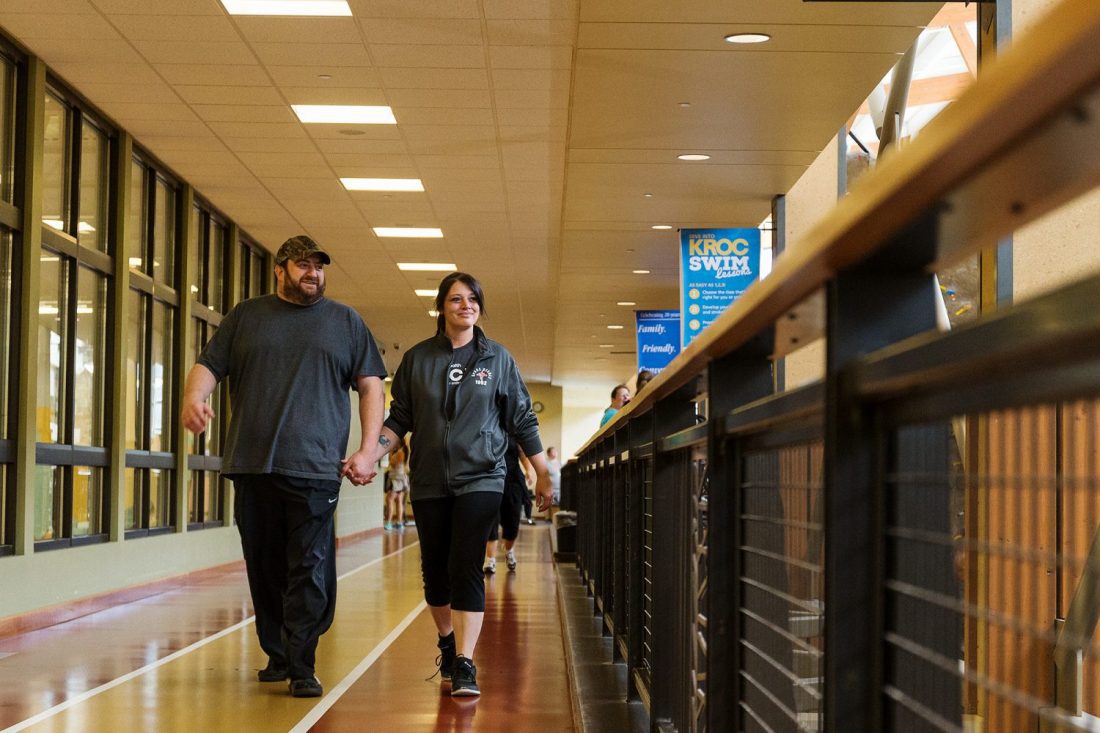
(253, 267)
(151, 251)
(209, 252)
(8, 220)
(7, 128)
(75, 272)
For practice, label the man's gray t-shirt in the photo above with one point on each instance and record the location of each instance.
(290, 368)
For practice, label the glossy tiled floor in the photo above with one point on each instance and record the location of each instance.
(185, 660)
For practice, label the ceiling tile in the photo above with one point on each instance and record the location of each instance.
(231, 95)
(531, 9)
(531, 57)
(31, 25)
(312, 54)
(159, 7)
(266, 29)
(437, 98)
(414, 8)
(309, 77)
(424, 31)
(532, 32)
(244, 113)
(434, 78)
(196, 52)
(418, 56)
(240, 75)
(202, 28)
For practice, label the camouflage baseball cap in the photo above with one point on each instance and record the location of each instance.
(298, 247)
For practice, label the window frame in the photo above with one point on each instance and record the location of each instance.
(76, 258)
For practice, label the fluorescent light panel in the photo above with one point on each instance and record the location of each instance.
(287, 7)
(413, 232)
(626, 302)
(382, 184)
(426, 292)
(427, 266)
(344, 114)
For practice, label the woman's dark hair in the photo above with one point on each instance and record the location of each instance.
(445, 287)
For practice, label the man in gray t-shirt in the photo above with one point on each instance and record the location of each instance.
(291, 359)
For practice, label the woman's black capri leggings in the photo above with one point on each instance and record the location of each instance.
(453, 532)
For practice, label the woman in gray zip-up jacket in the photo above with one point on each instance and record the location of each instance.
(461, 396)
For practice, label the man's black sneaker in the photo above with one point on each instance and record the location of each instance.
(464, 681)
(306, 687)
(446, 658)
(273, 672)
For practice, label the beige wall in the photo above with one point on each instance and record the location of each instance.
(808, 202)
(48, 578)
(582, 408)
(550, 419)
(1060, 247)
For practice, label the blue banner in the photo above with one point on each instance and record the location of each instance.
(658, 338)
(716, 266)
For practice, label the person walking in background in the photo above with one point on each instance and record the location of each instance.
(511, 504)
(620, 396)
(553, 465)
(398, 474)
(291, 359)
(644, 377)
(462, 396)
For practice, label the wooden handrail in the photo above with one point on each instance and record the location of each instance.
(1045, 72)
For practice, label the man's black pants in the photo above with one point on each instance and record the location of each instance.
(289, 541)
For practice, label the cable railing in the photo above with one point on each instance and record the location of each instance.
(908, 544)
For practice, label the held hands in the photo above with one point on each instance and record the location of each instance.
(196, 416)
(359, 468)
(543, 492)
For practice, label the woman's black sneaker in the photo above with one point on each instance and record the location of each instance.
(447, 653)
(464, 681)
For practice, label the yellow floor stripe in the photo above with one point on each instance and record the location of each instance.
(214, 687)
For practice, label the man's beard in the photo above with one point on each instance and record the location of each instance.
(295, 293)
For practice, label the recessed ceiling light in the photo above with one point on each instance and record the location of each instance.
(433, 313)
(693, 156)
(344, 114)
(626, 302)
(685, 105)
(648, 195)
(607, 346)
(426, 292)
(382, 184)
(615, 328)
(748, 38)
(640, 272)
(324, 77)
(660, 226)
(287, 7)
(413, 232)
(427, 266)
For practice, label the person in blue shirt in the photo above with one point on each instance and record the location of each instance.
(620, 396)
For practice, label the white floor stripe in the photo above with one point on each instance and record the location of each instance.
(345, 684)
(82, 697)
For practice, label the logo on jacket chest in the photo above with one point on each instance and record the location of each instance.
(482, 376)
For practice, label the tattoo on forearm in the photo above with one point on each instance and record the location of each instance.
(384, 441)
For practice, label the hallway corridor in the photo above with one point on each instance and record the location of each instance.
(186, 659)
